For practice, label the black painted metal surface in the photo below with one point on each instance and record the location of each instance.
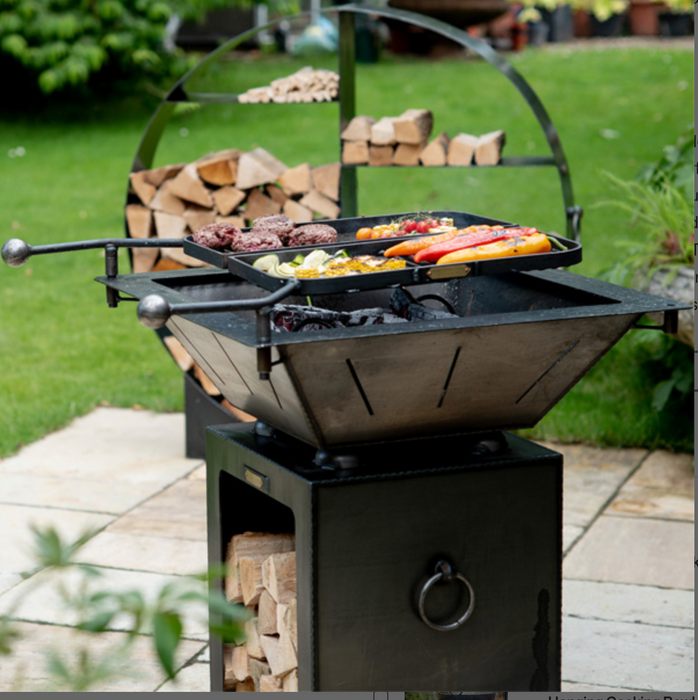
(519, 342)
(367, 540)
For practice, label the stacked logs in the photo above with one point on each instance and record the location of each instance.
(305, 85)
(230, 186)
(261, 574)
(404, 140)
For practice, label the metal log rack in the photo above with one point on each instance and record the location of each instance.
(201, 409)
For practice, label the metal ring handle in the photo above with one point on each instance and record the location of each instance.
(445, 572)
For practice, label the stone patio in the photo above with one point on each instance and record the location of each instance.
(628, 599)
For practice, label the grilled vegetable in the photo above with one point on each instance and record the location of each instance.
(414, 245)
(470, 240)
(522, 245)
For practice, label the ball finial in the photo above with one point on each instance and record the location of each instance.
(153, 311)
(16, 252)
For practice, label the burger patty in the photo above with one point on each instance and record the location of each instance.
(312, 234)
(279, 225)
(217, 236)
(250, 241)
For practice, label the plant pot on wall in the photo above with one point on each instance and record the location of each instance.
(643, 19)
(582, 24)
(675, 23)
(611, 27)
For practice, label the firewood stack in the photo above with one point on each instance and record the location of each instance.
(228, 186)
(404, 140)
(262, 576)
(305, 85)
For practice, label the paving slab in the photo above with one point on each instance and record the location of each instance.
(195, 678)
(38, 598)
(198, 473)
(627, 655)
(17, 539)
(164, 555)
(178, 512)
(663, 488)
(25, 670)
(591, 476)
(634, 550)
(7, 581)
(569, 687)
(111, 445)
(624, 602)
(76, 494)
(570, 534)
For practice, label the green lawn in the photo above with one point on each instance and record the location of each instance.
(64, 351)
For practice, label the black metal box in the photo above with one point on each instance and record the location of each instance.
(367, 543)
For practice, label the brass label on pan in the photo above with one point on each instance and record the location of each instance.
(256, 479)
(445, 272)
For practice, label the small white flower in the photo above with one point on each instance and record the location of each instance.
(184, 132)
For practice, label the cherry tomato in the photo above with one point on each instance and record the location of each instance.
(364, 233)
(433, 223)
(423, 227)
(408, 226)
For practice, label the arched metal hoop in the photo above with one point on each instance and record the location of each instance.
(154, 130)
(445, 572)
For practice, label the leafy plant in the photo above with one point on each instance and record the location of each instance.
(98, 610)
(664, 212)
(66, 44)
(674, 167)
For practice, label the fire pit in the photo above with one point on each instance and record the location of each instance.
(424, 535)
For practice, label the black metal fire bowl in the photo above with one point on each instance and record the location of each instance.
(517, 346)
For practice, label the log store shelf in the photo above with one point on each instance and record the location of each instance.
(203, 410)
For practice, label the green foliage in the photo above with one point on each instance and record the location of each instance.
(97, 610)
(64, 44)
(674, 167)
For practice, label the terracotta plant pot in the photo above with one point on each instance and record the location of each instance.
(643, 18)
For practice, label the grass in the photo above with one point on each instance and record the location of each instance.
(64, 352)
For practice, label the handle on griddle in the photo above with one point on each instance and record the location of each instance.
(16, 252)
(154, 311)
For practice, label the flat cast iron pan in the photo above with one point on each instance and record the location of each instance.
(241, 264)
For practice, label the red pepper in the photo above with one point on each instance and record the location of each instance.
(469, 240)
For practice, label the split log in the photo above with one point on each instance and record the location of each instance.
(197, 216)
(383, 132)
(277, 194)
(296, 180)
(140, 225)
(266, 622)
(252, 642)
(279, 576)
(139, 220)
(269, 684)
(206, 384)
(227, 198)
(144, 189)
(237, 412)
(188, 186)
(257, 670)
(414, 126)
(258, 167)
(157, 176)
(229, 679)
(358, 129)
(183, 359)
(355, 152)
(251, 579)
(321, 204)
(252, 544)
(296, 211)
(287, 620)
(245, 686)
(165, 200)
(164, 265)
(326, 180)
(240, 663)
(169, 226)
(380, 155)
(407, 154)
(436, 152)
(461, 149)
(290, 682)
(488, 150)
(220, 170)
(258, 204)
(280, 654)
(234, 220)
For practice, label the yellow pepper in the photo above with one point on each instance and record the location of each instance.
(527, 245)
